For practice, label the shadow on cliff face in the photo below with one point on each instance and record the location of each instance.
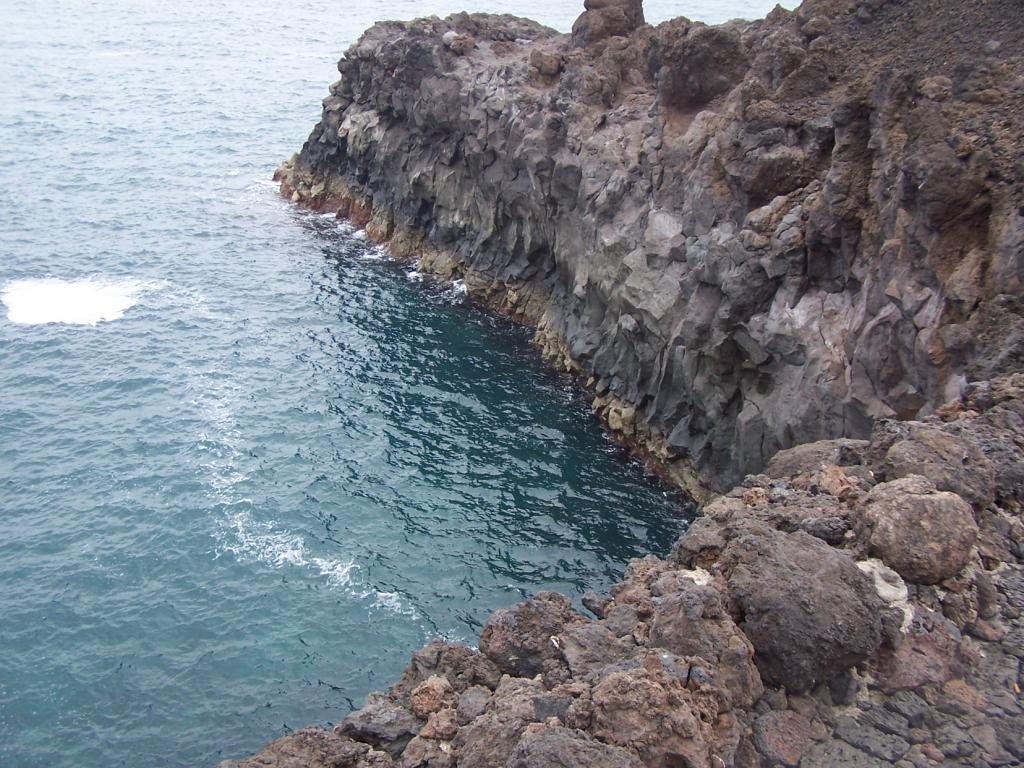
(745, 237)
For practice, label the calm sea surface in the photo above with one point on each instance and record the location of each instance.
(247, 463)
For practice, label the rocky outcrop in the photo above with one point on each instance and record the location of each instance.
(785, 255)
(783, 630)
(743, 238)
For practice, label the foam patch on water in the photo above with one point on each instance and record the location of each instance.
(377, 253)
(116, 54)
(89, 301)
(252, 540)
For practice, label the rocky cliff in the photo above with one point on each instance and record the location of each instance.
(856, 606)
(743, 237)
(785, 255)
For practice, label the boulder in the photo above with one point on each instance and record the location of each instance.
(650, 710)
(951, 463)
(519, 639)
(923, 534)
(606, 18)
(314, 748)
(462, 667)
(381, 722)
(806, 607)
(472, 703)
(811, 457)
(427, 753)
(490, 739)
(692, 621)
(782, 737)
(432, 694)
(556, 747)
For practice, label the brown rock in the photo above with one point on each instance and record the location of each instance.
(951, 463)
(427, 753)
(811, 457)
(930, 653)
(519, 639)
(923, 534)
(314, 748)
(463, 667)
(431, 695)
(441, 725)
(556, 747)
(381, 722)
(782, 737)
(548, 64)
(652, 712)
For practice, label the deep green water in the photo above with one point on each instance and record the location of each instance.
(258, 463)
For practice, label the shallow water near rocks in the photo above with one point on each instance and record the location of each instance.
(248, 463)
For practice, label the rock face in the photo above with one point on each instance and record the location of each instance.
(755, 643)
(745, 237)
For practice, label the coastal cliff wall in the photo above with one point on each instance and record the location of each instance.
(743, 237)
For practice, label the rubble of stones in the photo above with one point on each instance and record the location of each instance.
(746, 236)
(858, 604)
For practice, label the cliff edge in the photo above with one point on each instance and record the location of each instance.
(743, 237)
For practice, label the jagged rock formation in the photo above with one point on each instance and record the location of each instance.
(782, 630)
(745, 237)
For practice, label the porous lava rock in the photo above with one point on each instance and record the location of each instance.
(519, 639)
(923, 534)
(809, 611)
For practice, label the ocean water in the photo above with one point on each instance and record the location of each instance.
(248, 462)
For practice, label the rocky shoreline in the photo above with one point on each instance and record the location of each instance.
(785, 257)
(859, 604)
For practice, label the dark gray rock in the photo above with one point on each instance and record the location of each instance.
(746, 233)
(809, 611)
(565, 748)
(381, 722)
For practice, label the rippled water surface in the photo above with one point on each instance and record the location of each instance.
(247, 463)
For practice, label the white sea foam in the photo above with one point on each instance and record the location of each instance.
(359, 234)
(88, 301)
(415, 276)
(264, 542)
(116, 54)
(378, 253)
(459, 288)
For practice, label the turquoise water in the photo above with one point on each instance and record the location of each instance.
(247, 463)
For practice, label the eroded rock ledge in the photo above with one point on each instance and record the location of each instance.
(744, 237)
(858, 604)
